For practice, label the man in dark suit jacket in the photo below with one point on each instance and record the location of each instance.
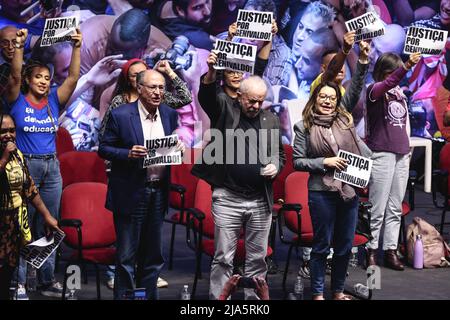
(138, 197)
(241, 173)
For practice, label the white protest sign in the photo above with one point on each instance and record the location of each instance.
(59, 30)
(367, 26)
(235, 56)
(162, 151)
(425, 41)
(37, 252)
(357, 172)
(255, 25)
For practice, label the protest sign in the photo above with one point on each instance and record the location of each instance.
(367, 26)
(37, 252)
(235, 56)
(425, 41)
(357, 172)
(254, 25)
(58, 30)
(162, 151)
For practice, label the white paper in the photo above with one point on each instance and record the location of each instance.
(367, 26)
(162, 152)
(37, 252)
(256, 25)
(235, 56)
(357, 172)
(425, 40)
(59, 30)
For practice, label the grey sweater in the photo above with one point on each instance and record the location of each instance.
(302, 155)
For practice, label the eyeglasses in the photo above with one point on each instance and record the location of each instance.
(324, 97)
(7, 43)
(6, 130)
(153, 88)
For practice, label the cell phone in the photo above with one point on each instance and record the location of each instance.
(246, 282)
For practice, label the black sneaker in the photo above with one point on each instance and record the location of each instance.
(54, 290)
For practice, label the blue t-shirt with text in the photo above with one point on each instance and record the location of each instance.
(36, 132)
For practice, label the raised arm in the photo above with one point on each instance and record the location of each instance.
(15, 78)
(380, 88)
(182, 95)
(69, 85)
(338, 60)
(351, 96)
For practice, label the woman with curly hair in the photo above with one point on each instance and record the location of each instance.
(35, 107)
(16, 189)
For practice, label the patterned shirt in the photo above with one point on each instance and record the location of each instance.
(279, 68)
(181, 97)
(433, 23)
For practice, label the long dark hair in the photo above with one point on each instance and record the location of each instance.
(123, 86)
(310, 105)
(5, 189)
(386, 63)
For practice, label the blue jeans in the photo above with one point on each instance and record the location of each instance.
(139, 242)
(47, 177)
(334, 224)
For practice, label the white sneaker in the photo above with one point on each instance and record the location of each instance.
(162, 283)
(20, 293)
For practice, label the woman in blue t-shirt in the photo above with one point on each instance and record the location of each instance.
(35, 108)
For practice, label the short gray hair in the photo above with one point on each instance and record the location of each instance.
(252, 82)
(140, 77)
(320, 9)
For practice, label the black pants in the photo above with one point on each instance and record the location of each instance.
(6, 273)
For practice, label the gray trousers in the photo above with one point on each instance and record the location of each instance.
(231, 212)
(387, 189)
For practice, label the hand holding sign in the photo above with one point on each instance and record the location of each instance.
(274, 28)
(335, 163)
(51, 225)
(137, 152)
(21, 37)
(349, 41)
(212, 59)
(413, 60)
(231, 31)
(77, 38)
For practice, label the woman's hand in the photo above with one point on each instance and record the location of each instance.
(77, 38)
(51, 225)
(335, 163)
(413, 60)
(10, 148)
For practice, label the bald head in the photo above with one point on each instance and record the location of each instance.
(151, 86)
(7, 40)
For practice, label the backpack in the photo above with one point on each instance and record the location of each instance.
(434, 246)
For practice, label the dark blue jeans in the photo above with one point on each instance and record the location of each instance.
(139, 242)
(334, 224)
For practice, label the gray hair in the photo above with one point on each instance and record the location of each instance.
(252, 82)
(320, 9)
(140, 77)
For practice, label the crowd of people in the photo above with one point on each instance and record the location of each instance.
(141, 70)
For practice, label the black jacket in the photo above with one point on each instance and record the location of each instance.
(224, 114)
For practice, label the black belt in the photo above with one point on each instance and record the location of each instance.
(50, 156)
(154, 184)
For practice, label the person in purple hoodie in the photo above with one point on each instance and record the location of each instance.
(388, 138)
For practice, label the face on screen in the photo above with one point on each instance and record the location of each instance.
(198, 12)
(306, 26)
(445, 12)
(308, 63)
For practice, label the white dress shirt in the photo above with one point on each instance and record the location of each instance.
(152, 128)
